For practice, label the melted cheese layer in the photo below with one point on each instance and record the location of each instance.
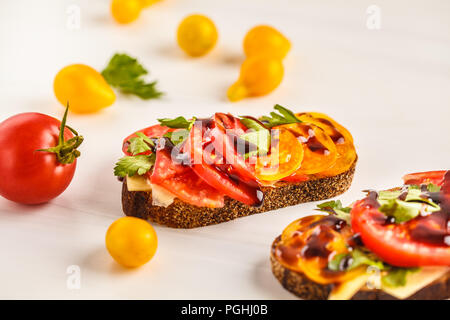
(160, 196)
(415, 282)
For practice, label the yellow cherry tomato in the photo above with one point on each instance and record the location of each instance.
(147, 3)
(259, 76)
(267, 41)
(197, 35)
(126, 11)
(131, 241)
(83, 88)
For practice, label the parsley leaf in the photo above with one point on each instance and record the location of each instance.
(336, 208)
(141, 89)
(286, 116)
(125, 72)
(396, 277)
(140, 144)
(179, 122)
(177, 137)
(131, 165)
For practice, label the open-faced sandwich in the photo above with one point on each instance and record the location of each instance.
(393, 244)
(197, 172)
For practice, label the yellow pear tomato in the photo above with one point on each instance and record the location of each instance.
(259, 76)
(197, 35)
(126, 11)
(266, 40)
(84, 88)
(131, 241)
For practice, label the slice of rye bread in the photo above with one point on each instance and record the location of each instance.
(298, 284)
(180, 214)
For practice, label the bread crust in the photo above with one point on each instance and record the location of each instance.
(298, 284)
(183, 215)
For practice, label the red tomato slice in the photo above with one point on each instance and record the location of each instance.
(446, 184)
(217, 179)
(225, 131)
(155, 131)
(435, 177)
(183, 182)
(417, 242)
(228, 122)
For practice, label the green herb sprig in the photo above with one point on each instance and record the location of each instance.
(139, 144)
(178, 136)
(137, 163)
(335, 208)
(125, 73)
(178, 122)
(132, 165)
(285, 116)
(410, 206)
(392, 276)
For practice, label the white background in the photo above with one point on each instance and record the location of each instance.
(389, 87)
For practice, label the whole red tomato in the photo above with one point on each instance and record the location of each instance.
(37, 163)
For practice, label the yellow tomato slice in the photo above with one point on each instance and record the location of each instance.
(315, 233)
(314, 267)
(319, 149)
(297, 227)
(345, 159)
(346, 153)
(311, 269)
(319, 115)
(285, 157)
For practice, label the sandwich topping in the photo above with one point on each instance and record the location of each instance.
(200, 161)
(396, 232)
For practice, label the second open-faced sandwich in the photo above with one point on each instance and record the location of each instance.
(190, 173)
(393, 244)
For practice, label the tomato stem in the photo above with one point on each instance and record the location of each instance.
(63, 125)
(66, 151)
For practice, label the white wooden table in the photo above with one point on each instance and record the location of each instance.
(390, 87)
